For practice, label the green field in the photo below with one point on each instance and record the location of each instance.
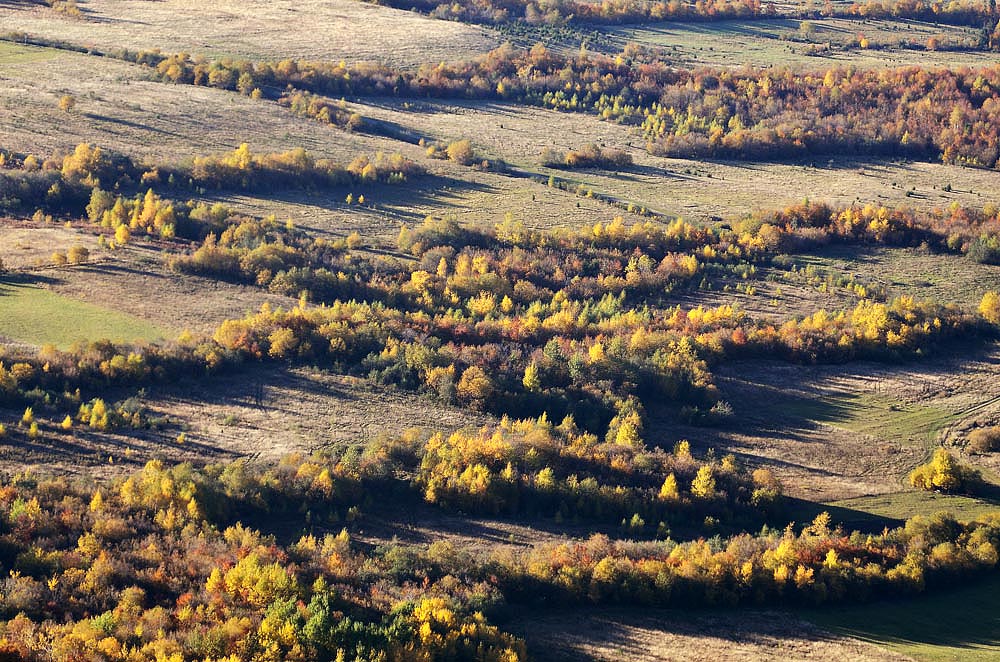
(11, 53)
(35, 315)
(921, 274)
(901, 505)
(961, 624)
(875, 415)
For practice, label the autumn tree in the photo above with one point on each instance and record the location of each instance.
(989, 307)
(78, 255)
(942, 473)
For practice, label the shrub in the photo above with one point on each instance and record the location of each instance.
(461, 152)
(985, 250)
(984, 440)
(78, 255)
(989, 307)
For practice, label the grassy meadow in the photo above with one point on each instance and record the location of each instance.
(34, 315)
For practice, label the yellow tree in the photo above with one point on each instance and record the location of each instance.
(122, 235)
(703, 485)
(475, 384)
(989, 307)
(531, 380)
(461, 152)
(669, 491)
(943, 473)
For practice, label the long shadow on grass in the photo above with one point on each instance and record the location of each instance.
(85, 447)
(963, 617)
(623, 633)
(23, 279)
(633, 173)
(133, 125)
(442, 106)
(393, 201)
(802, 511)
(251, 386)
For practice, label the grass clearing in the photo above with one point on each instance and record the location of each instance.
(28, 244)
(841, 432)
(117, 107)
(655, 635)
(948, 626)
(34, 315)
(901, 505)
(124, 282)
(873, 415)
(701, 190)
(11, 53)
(693, 189)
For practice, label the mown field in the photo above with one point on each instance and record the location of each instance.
(287, 309)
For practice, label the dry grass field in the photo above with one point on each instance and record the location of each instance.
(256, 30)
(261, 414)
(694, 190)
(786, 43)
(27, 245)
(609, 635)
(698, 190)
(117, 107)
(478, 198)
(838, 432)
(132, 280)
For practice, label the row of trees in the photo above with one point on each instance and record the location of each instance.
(159, 566)
(523, 323)
(93, 182)
(558, 12)
(532, 467)
(947, 114)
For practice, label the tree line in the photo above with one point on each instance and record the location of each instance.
(159, 565)
(947, 114)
